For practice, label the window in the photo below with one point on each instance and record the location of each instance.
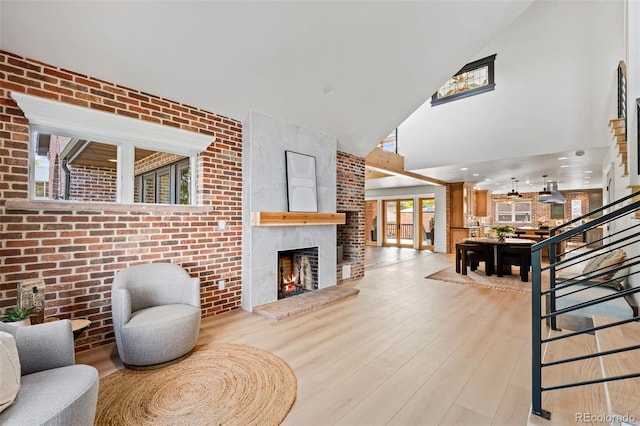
(474, 78)
(83, 154)
(518, 211)
(78, 169)
(165, 185)
(557, 211)
(390, 143)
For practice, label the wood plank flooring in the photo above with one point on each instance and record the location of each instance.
(405, 351)
(624, 394)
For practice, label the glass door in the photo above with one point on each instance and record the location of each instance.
(406, 223)
(390, 223)
(398, 223)
(427, 219)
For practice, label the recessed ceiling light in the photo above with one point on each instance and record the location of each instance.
(565, 166)
(464, 168)
(562, 158)
(487, 180)
(588, 172)
(112, 160)
(476, 174)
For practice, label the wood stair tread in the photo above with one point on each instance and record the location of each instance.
(624, 394)
(617, 122)
(565, 403)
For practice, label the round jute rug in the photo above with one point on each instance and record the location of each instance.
(218, 384)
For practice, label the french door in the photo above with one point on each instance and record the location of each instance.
(426, 219)
(398, 222)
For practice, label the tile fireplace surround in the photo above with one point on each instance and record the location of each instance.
(265, 140)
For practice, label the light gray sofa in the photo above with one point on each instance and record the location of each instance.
(53, 389)
(156, 313)
(625, 307)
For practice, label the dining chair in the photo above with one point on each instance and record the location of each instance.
(469, 255)
(513, 255)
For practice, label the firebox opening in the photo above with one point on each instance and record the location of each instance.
(297, 271)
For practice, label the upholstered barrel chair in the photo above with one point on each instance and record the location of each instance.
(156, 314)
(40, 383)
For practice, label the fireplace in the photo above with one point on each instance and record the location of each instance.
(297, 271)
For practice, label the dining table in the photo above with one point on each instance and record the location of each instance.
(494, 243)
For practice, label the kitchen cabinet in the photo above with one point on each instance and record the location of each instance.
(482, 203)
(462, 204)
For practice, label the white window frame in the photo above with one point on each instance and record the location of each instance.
(57, 118)
(513, 211)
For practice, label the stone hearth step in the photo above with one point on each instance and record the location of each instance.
(304, 302)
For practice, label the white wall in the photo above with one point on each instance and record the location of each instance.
(555, 90)
(633, 85)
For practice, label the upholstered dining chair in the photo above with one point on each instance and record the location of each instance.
(156, 314)
(470, 255)
(516, 255)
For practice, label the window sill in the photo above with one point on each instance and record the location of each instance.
(53, 205)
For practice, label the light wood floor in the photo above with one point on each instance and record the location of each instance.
(405, 351)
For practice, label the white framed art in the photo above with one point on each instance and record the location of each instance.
(302, 193)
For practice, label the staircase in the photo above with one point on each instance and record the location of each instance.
(619, 400)
(618, 128)
(589, 374)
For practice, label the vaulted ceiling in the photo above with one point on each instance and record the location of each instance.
(353, 69)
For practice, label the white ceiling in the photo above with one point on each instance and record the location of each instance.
(571, 171)
(354, 69)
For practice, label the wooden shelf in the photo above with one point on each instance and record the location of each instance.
(296, 218)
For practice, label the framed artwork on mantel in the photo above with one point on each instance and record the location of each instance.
(302, 194)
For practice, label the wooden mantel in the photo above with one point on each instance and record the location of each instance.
(296, 218)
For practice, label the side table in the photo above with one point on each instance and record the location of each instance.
(77, 325)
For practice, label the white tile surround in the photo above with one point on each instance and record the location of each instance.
(265, 140)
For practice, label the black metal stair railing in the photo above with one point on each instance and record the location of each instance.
(616, 228)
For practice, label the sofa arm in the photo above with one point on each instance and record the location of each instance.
(45, 346)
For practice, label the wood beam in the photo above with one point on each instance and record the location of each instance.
(372, 174)
(409, 174)
(384, 160)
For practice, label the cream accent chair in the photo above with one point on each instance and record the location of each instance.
(156, 314)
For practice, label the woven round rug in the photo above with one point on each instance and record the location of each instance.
(218, 384)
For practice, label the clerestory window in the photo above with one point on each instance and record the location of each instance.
(474, 78)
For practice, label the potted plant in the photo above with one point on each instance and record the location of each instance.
(502, 231)
(432, 225)
(17, 316)
(374, 231)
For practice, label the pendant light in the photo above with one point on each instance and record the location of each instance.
(545, 193)
(514, 193)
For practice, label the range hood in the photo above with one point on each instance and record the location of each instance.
(555, 197)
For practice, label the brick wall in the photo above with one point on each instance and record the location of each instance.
(155, 161)
(92, 184)
(76, 249)
(350, 200)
